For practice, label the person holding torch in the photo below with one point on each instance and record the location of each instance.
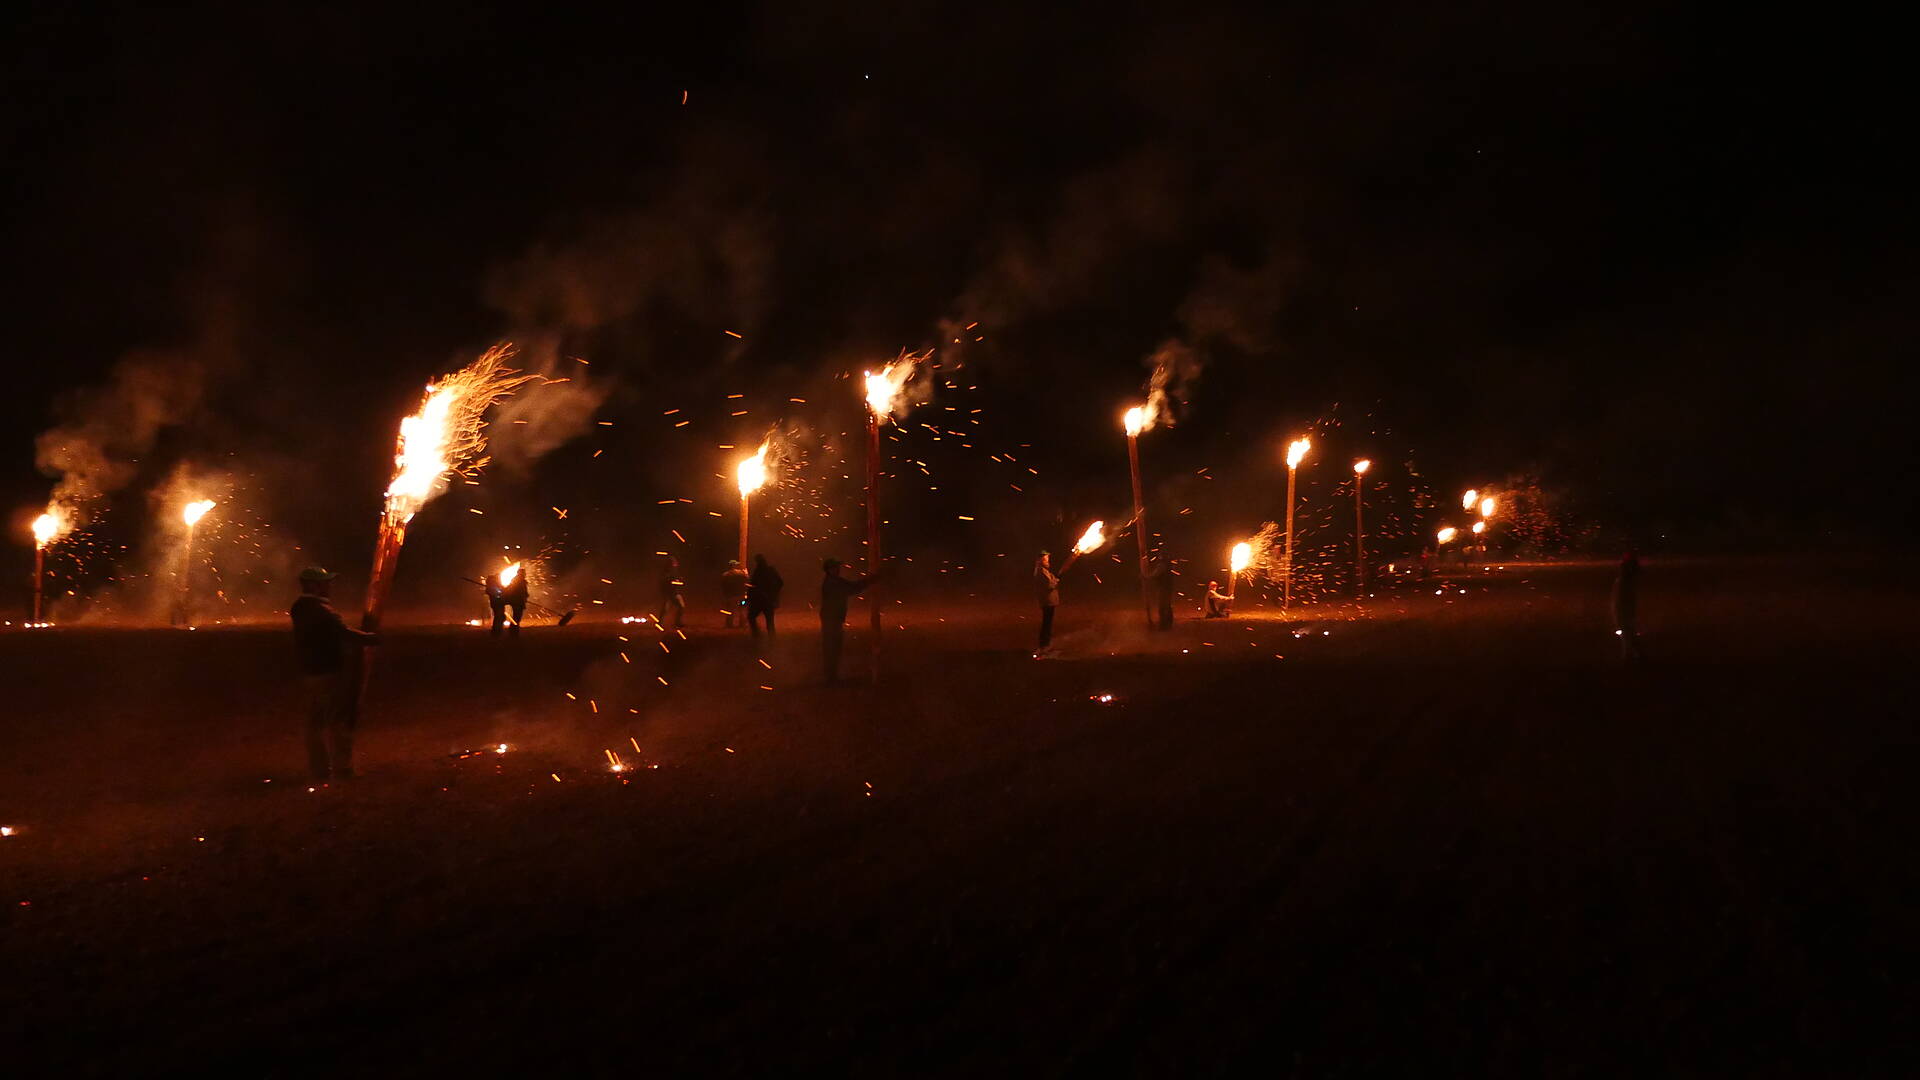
(322, 639)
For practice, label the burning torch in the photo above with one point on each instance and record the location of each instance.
(1238, 560)
(1090, 541)
(1359, 527)
(1136, 420)
(191, 515)
(47, 528)
(882, 394)
(752, 475)
(1296, 451)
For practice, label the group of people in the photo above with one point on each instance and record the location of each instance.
(752, 597)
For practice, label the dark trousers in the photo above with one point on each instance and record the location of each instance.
(672, 604)
(500, 615)
(332, 707)
(832, 637)
(755, 610)
(1166, 615)
(1046, 625)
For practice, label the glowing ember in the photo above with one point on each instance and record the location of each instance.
(49, 526)
(884, 390)
(1297, 450)
(508, 575)
(448, 435)
(501, 749)
(1360, 467)
(1242, 556)
(1472, 496)
(752, 473)
(1488, 506)
(1446, 535)
(1479, 527)
(194, 511)
(1136, 420)
(1091, 540)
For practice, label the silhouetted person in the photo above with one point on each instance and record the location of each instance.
(763, 594)
(1160, 588)
(835, 590)
(502, 597)
(321, 638)
(1626, 606)
(733, 590)
(1219, 605)
(671, 602)
(1046, 588)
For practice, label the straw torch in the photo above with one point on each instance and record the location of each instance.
(1359, 527)
(1238, 560)
(1091, 540)
(1136, 420)
(1296, 451)
(47, 528)
(191, 515)
(446, 438)
(883, 393)
(752, 475)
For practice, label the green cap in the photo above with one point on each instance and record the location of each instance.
(317, 573)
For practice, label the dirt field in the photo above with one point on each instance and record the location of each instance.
(1457, 835)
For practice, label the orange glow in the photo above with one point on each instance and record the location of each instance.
(1242, 556)
(194, 511)
(1091, 540)
(510, 573)
(49, 526)
(1297, 451)
(1488, 506)
(1135, 420)
(1360, 467)
(1446, 535)
(1466, 501)
(448, 434)
(1479, 527)
(885, 388)
(752, 473)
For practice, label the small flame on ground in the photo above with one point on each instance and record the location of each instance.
(1446, 535)
(1479, 527)
(1488, 506)
(1472, 496)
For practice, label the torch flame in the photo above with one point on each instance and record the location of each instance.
(1135, 420)
(1487, 507)
(752, 473)
(194, 511)
(1242, 556)
(507, 575)
(1466, 501)
(1296, 450)
(1091, 540)
(49, 526)
(884, 389)
(1360, 467)
(1479, 527)
(448, 434)
(1446, 535)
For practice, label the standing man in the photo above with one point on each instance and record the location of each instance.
(763, 594)
(322, 638)
(502, 596)
(835, 590)
(671, 602)
(1160, 581)
(1046, 588)
(733, 590)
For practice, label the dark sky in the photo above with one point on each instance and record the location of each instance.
(1653, 255)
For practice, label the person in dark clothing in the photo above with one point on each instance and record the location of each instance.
(1219, 604)
(835, 590)
(763, 594)
(1626, 606)
(733, 590)
(510, 594)
(671, 602)
(1046, 588)
(1160, 588)
(321, 639)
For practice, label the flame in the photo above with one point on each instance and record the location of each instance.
(884, 389)
(1479, 527)
(448, 435)
(1487, 507)
(49, 526)
(1136, 420)
(752, 472)
(507, 575)
(1446, 535)
(1360, 467)
(194, 511)
(1466, 501)
(1296, 450)
(1090, 540)
(1242, 556)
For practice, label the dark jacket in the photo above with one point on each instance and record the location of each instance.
(320, 636)
(834, 594)
(763, 587)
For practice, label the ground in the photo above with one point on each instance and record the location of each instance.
(1453, 834)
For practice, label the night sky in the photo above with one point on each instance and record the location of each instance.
(1651, 257)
